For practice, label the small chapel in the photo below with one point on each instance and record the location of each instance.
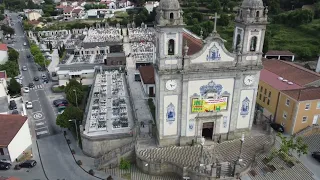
(202, 89)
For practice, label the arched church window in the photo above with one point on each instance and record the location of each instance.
(238, 40)
(253, 43)
(171, 15)
(171, 47)
(257, 14)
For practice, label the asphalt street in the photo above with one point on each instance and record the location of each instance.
(56, 159)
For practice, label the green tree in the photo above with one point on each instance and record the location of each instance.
(124, 164)
(75, 96)
(13, 54)
(317, 10)
(274, 6)
(39, 59)
(14, 87)
(71, 112)
(72, 84)
(224, 20)
(50, 46)
(11, 68)
(215, 6)
(7, 30)
(63, 121)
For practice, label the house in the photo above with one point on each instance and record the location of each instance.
(33, 14)
(77, 13)
(278, 76)
(299, 109)
(3, 53)
(124, 3)
(96, 13)
(280, 55)
(147, 80)
(67, 12)
(15, 136)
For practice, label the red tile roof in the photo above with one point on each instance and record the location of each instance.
(77, 11)
(279, 53)
(3, 47)
(274, 81)
(195, 45)
(9, 178)
(311, 93)
(290, 71)
(67, 9)
(34, 22)
(3, 74)
(10, 125)
(147, 74)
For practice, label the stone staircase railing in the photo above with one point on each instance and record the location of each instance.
(116, 153)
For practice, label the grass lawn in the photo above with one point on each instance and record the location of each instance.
(58, 88)
(120, 14)
(60, 58)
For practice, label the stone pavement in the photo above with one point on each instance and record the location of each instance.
(140, 106)
(54, 61)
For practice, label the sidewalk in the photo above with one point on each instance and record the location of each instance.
(54, 61)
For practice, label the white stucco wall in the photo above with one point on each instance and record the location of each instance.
(2, 90)
(170, 127)
(20, 142)
(34, 16)
(244, 120)
(3, 57)
(194, 87)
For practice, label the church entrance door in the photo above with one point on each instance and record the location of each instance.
(207, 130)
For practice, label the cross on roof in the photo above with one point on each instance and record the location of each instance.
(216, 17)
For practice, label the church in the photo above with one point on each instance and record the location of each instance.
(202, 89)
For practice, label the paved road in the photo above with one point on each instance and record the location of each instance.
(57, 160)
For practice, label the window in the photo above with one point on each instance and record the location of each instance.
(268, 102)
(257, 14)
(171, 47)
(171, 15)
(253, 43)
(1, 151)
(264, 99)
(238, 41)
(260, 96)
(307, 106)
(318, 105)
(287, 102)
(304, 119)
(269, 94)
(284, 115)
(265, 91)
(261, 88)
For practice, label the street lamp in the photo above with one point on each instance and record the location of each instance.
(75, 93)
(201, 152)
(241, 140)
(75, 123)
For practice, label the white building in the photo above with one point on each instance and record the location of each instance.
(15, 136)
(81, 73)
(149, 5)
(33, 14)
(3, 53)
(147, 80)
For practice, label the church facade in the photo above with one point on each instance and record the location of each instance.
(208, 92)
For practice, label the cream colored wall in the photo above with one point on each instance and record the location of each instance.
(34, 16)
(170, 128)
(299, 125)
(203, 57)
(273, 99)
(282, 107)
(244, 120)
(194, 87)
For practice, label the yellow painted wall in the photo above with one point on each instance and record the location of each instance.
(34, 16)
(308, 113)
(273, 99)
(290, 111)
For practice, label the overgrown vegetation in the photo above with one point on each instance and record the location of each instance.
(11, 66)
(38, 56)
(124, 164)
(14, 87)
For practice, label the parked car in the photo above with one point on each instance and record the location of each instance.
(4, 165)
(57, 102)
(36, 78)
(29, 105)
(43, 76)
(316, 155)
(28, 164)
(26, 89)
(5, 160)
(12, 105)
(45, 80)
(31, 85)
(277, 127)
(24, 68)
(15, 112)
(24, 43)
(28, 56)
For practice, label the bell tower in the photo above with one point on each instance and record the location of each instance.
(250, 28)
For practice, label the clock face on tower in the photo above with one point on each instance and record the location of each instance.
(249, 80)
(171, 85)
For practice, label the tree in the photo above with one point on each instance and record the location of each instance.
(14, 87)
(50, 46)
(71, 112)
(39, 59)
(13, 54)
(75, 95)
(7, 30)
(224, 20)
(215, 6)
(11, 68)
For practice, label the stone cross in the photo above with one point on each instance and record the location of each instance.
(216, 17)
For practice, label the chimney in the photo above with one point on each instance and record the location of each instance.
(318, 65)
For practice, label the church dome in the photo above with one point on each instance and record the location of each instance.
(169, 4)
(252, 4)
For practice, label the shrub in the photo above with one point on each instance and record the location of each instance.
(91, 172)
(79, 162)
(124, 164)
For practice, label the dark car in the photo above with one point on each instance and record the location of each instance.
(58, 102)
(15, 112)
(12, 105)
(28, 56)
(4, 165)
(277, 127)
(31, 85)
(316, 155)
(36, 78)
(28, 164)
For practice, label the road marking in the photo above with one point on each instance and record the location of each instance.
(42, 132)
(38, 115)
(35, 101)
(41, 128)
(40, 124)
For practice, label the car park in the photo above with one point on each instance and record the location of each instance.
(36, 78)
(277, 127)
(24, 68)
(26, 90)
(12, 105)
(28, 164)
(29, 105)
(31, 85)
